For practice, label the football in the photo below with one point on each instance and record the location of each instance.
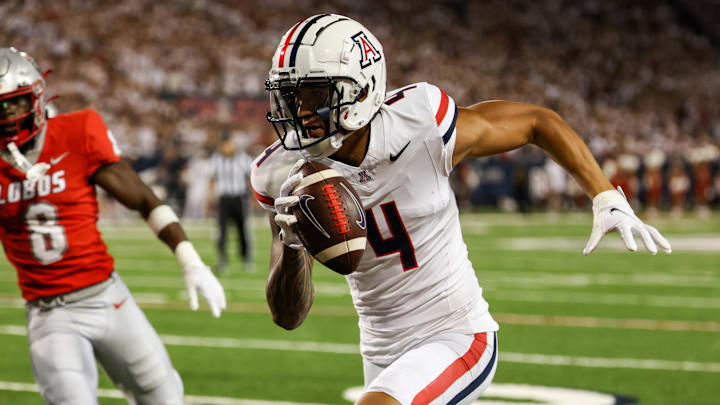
(330, 218)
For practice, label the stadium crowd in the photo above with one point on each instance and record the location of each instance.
(172, 78)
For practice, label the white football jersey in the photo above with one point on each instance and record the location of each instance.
(414, 279)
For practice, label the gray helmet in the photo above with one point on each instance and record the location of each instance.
(20, 77)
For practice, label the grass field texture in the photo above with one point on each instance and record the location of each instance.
(643, 328)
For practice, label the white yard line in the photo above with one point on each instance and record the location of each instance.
(153, 247)
(353, 349)
(580, 279)
(15, 330)
(686, 243)
(160, 301)
(491, 292)
(517, 394)
(130, 269)
(615, 363)
(608, 323)
(524, 394)
(262, 344)
(175, 281)
(129, 266)
(189, 399)
(660, 301)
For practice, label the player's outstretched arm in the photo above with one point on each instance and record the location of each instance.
(289, 290)
(123, 183)
(498, 126)
(494, 127)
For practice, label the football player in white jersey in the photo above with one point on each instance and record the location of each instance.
(426, 333)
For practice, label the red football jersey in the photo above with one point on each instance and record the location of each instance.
(49, 229)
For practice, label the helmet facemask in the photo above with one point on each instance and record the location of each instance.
(294, 106)
(16, 115)
(22, 107)
(21, 114)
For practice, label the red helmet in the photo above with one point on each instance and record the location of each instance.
(20, 78)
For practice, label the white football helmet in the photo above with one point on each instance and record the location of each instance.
(20, 77)
(332, 52)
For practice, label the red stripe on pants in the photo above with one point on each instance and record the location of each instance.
(453, 372)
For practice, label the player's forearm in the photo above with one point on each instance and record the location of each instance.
(172, 235)
(565, 146)
(163, 221)
(123, 183)
(290, 291)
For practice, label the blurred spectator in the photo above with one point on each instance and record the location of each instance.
(626, 176)
(628, 76)
(197, 178)
(678, 185)
(557, 190)
(169, 175)
(653, 181)
(700, 159)
(464, 181)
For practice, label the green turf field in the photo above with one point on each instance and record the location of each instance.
(630, 324)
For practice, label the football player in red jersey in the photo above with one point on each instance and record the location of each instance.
(78, 308)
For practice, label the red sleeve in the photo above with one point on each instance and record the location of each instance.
(100, 145)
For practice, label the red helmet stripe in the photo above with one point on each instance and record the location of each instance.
(298, 40)
(287, 42)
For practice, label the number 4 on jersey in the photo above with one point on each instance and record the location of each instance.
(399, 242)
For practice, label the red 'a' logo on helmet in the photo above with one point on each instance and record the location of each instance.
(368, 51)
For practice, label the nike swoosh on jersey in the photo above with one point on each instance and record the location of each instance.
(397, 155)
(119, 304)
(57, 160)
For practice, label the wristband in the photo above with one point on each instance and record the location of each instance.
(187, 255)
(608, 198)
(160, 217)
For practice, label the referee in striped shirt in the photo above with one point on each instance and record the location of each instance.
(229, 176)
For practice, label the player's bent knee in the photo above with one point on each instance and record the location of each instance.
(376, 398)
(149, 373)
(151, 380)
(65, 376)
(159, 387)
(70, 388)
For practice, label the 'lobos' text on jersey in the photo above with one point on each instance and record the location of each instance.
(48, 226)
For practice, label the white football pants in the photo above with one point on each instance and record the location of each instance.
(450, 368)
(65, 342)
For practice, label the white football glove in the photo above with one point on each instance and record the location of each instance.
(199, 277)
(611, 211)
(283, 205)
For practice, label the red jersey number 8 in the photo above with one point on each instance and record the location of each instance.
(47, 237)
